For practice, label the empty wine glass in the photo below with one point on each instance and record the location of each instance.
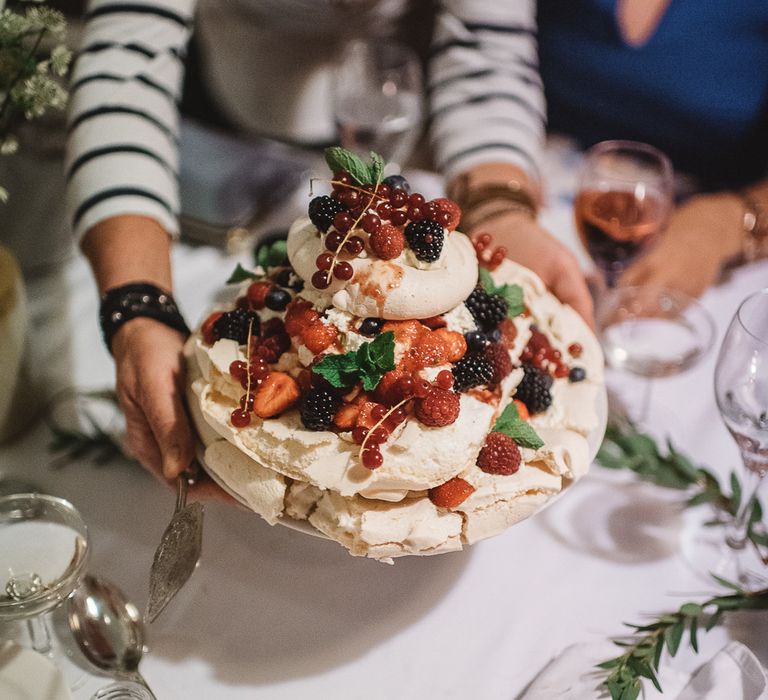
(377, 100)
(623, 201)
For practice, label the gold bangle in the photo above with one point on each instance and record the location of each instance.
(490, 209)
(755, 226)
(468, 197)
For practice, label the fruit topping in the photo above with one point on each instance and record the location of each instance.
(499, 455)
(276, 393)
(371, 457)
(454, 344)
(577, 374)
(452, 493)
(522, 410)
(575, 350)
(476, 341)
(371, 326)
(397, 182)
(317, 408)
(449, 207)
(322, 210)
(240, 418)
(499, 358)
(438, 408)
(426, 239)
(472, 370)
(277, 299)
(257, 294)
(387, 242)
(488, 310)
(533, 389)
(207, 330)
(235, 324)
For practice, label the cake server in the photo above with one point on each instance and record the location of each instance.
(179, 550)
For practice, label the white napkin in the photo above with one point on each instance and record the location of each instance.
(733, 673)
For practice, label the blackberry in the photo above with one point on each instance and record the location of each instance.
(371, 326)
(577, 374)
(317, 408)
(533, 390)
(234, 325)
(489, 310)
(425, 238)
(397, 182)
(471, 370)
(322, 210)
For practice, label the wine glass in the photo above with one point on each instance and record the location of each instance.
(44, 548)
(741, 390)
(623, 201)
(377, 100)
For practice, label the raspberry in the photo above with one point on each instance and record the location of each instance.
(438, 408)
(499, 358)
(388, 242)
(452, 493)
(508, 332)
(426, 239)
(533, 390)
(448, 205)
(322, 210)
(234, 325)
(500, 455)
(489, 310)
(317, 409)
(471, 370)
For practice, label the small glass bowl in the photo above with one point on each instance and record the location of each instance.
(653, 331)
(44, 547)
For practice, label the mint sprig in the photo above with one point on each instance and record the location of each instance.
(366, 365)
(273, 254)
(511, 293)
(240, 274)
(363, 173)
(510, 423)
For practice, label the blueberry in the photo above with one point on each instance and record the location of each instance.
(577, 374)
(371, 326)
(283, 278)
(476, 341)
(397, 182)
(277, 299)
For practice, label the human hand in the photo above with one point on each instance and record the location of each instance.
(702, 235)
(531, 245)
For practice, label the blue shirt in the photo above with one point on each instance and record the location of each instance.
(698, 89)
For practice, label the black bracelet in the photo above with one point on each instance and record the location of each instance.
(121, 304)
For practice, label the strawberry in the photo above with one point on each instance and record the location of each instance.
(387, 242)
(367, 416)
(522, 410)
(276, 393)
(318, 336)
(452, 493)
(209, 336)
(298, 315)
(448, 205)
(346, 417)
(438, 408)
(455, 344)
(433, 322)
(257, 293)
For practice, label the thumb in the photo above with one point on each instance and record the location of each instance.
(571, 288)
(170, 426)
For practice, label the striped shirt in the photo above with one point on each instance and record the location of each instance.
(485, 97)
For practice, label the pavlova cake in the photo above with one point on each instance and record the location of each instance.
(404, 390)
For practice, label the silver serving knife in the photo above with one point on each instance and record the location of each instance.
(179, 550)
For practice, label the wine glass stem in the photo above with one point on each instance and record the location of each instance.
(738, 530)
(39, 635)
(645, 405)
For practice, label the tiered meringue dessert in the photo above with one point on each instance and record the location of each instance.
(402, 389)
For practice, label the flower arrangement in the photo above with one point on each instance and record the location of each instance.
(32, 57)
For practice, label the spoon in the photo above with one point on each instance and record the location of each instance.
(108, 629)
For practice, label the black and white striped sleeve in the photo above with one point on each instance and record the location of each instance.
(122, 155)
(486, 97)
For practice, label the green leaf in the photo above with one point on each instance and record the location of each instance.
(725, 582)
(511, 293)
(658, 652)
(367, 364)
(691, 609)
(340, 371)
(611, 663)
(672, 636)
(713, 620)
(735, 492)
(339, 158)
(240, 274)
(278, 253)
(694, 628)
(632, 692)
(261, 256)
(376, 169)
(700, 498)
(510, 423)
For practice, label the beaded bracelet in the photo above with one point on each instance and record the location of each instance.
(122, 304)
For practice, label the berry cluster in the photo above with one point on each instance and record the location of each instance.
(489, 259)
(389, 214)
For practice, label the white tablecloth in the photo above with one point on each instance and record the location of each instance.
(274, 614)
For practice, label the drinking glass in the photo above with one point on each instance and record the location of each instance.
(377, 100)
(623, 200)
(741, 390)
(44, 548)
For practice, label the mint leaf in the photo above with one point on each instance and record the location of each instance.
(340, 371)
(376, 169)
(367, 364)
(240, 274)
(339, 158)
(511, 293)
(510, 423)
